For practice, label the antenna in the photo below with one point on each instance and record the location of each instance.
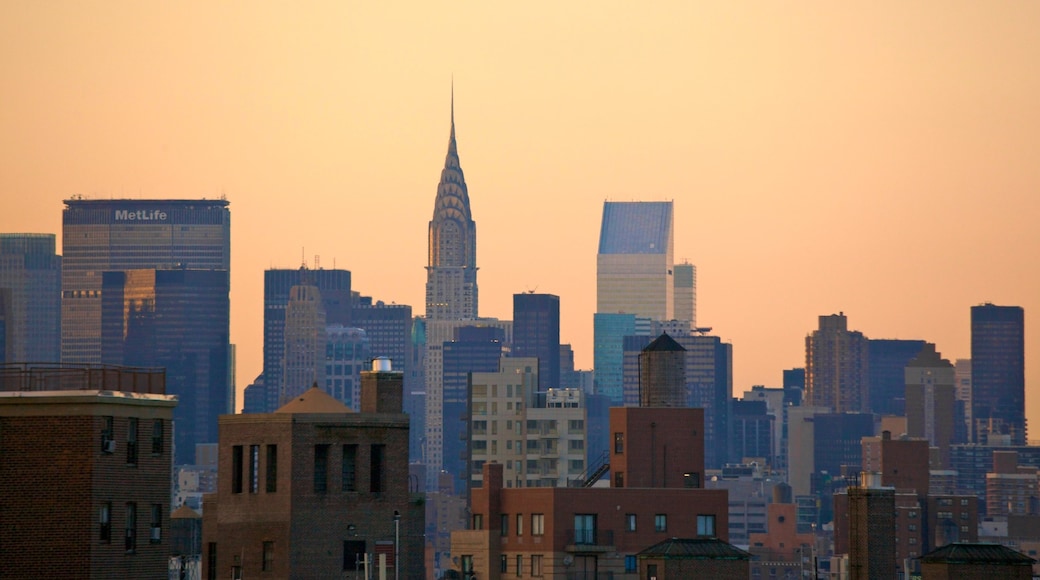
(317, 262)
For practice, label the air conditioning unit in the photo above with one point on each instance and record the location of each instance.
(110, 446)
(156, 534)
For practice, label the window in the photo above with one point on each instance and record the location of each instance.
(378, 468)
(619, 443)
(211, 560)
(651, 571)
(706, 525)
(692, 479)
(619, 479)
(478, 521)
(964, 501)
(630, 522)
(519, 565)
(576, 444)
(321, 468)
(131, 528)
(584, 529)
(504, 522)
(105, 522)
(575, 424)
(661, 523)
(236, 573)
(131, 441)
(350, 467)
(236, 469)
(107, 435)
(267, 563)
(272, 468)
(254, 469)
(964, 515)
(156, 526)
(912, 527)
(353, 555)
(537, 524)
(536, 564)
(503, 564)
(157, 437)
(466, 562)
(631, 565)
(519, 524)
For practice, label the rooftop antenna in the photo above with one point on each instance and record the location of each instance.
(317, 262)
(303, 257)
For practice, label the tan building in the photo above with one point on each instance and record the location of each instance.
(930, 397)
(836, 367)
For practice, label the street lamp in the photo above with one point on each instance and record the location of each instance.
(397, 545)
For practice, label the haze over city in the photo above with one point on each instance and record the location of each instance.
(879, 161)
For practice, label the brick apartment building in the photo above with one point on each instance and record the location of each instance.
(85, 475)
(597, 532)
(309, 490)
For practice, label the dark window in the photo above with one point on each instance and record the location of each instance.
(519, 565)
(503, 565)
(619, 443)
(651, 571)
(211, 561)
(631, 565)
(585, 529)
(107, 435)
(705, 525)
(131, 527)
(157, 437)
(254, 469)
(236, 469)
(353, 555)
(692, 479)
(505, 524)
(267, 564)
(131, 441)
(630, 522)
(105, 522)
(272, 468)
(378, 467)
(350, 468)
(155, 536)
(661, 523)
(619, 479)
(321, 468)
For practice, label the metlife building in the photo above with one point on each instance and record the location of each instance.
(128, 234)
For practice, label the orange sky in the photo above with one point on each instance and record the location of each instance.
(882, 159)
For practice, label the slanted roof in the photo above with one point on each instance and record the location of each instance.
(664, 343)
(694, 549)
(185, 513)
(969, 553)
(314, 400)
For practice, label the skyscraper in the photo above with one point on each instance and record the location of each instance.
(303, 365)
(130, 234)
(634, 266)
(32, 271)
(930, 400)
(886, 361)
(686, 294)
(536, 334)
(177, 320)
(998, 371)
(836, 367)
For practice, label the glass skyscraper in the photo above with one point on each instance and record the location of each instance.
(998, 372)
(31, 271)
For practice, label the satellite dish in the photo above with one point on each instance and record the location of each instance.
(568, 560)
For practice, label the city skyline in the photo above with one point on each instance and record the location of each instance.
(820, 158)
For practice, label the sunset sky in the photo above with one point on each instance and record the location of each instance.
(881, 158)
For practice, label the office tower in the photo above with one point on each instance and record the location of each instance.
(130, 234)
(451, 276)
(334, 287)
(776, 408)
(415, 391)
(6, 326)
(307, 491)
(662, 374)
(609, 334)
(634, 265)
(176, 320)
(536, 334)
(930, 401)
(346, 354)
(31, 270)
(886, 360)
(836, 367)
(474, 350)
(751, 433)
(686, 294)
(303, 364)
(85, 445)
(998, 372)
(962, 376)
(794, 386)
(568, 375)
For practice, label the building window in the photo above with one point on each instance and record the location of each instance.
(157, 437)
(661, 523)
(466, 561)
(912, 527)
(321, 468)
(350, 467)
(108, 441)
(619, 443)
(519, 524)
(211, 560)
(964, 515)
(504, 523)
(706, 525)
(131, 528)
(585, 529)
(267, 564)
(378, 468)
(254, 469)
(131, 441)
(519, 565)
(236, 573)
(156, 526)
(503, 564)
(105, 522)
(619, 479)
(236, 469)
(631, 564)
(353, 555)
(478, 521)
(651, 571)
(692, 479)
(272, 468)
(964, 501)
(630, 522)
(536, 565)
(537, 524)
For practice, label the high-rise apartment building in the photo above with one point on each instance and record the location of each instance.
(931, 412)
(31, 270)
(998, 371)
(962, 376)
(130, 234)
(177, 320)
(536, 334)
(635, 264)
(836, 367)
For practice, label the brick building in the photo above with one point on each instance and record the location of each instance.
(85, 476)
(970, 561)
(680, 558)
(309, 490)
